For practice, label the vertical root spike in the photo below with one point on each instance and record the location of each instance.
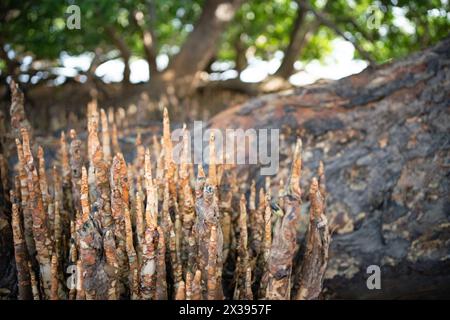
(212, 285)
(181, 291)
(196, 286)
(54, 285)
(294, 178)
(20, 254)
(106, 139)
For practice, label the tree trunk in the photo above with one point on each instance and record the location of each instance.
(296, 43)
(240, 59)
(384, 138)
(299, 38)
(148, 41)
(125, 52)
(202, 42)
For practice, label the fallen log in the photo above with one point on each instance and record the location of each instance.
(384, 137)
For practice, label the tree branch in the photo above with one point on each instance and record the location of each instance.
(300, 35)
(148, 41)
(325, 20)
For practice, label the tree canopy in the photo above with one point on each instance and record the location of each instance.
(301, 29)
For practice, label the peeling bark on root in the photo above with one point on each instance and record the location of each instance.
(315, 259)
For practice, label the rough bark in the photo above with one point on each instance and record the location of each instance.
(383, 136)
(20, 251)
(284, 246)
(17, 111)
(8, 274)
(317, 245)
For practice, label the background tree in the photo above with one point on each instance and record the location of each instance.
(194, 34)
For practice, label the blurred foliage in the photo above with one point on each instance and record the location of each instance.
(385, 28)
